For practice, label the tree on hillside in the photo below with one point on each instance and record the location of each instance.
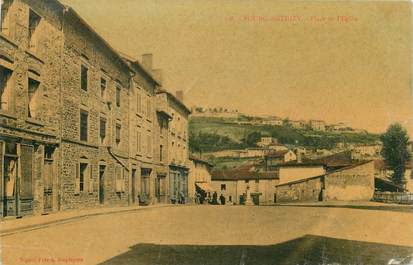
(395, 152)
(286, 122)
(252, 139)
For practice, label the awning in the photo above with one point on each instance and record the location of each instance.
(204, 186)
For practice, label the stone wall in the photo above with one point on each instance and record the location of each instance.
(353, 183)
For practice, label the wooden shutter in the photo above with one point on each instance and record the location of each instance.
(77, 178)
(118, 184)
(1, 176)
(26, 182)
(90, 179)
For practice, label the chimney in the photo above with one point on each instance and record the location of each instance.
(180, 95)
(157, 73)
(147, 61)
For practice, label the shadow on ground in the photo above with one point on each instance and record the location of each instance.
(306, 250)
(360, 207)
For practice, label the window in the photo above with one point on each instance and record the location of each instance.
(5, 17)
(138, 141)
(138, 102)
(5, 89)
(118, 90)
(84, 77)
(117, 133)
(247, 181)
(102, 130)
(34, 21)
(161, 153)
(84, 177)
(83, 125)
(223, 187)
(103, 86)
(83, 169)
(34, 98)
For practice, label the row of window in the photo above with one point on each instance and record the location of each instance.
(84, 84)
(33, 22)
(143, 104)
(84, 128)
(85, 183)
(6, 93)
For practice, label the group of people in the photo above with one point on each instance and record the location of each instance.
(205, 198)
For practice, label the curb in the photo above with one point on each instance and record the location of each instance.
(32, 227)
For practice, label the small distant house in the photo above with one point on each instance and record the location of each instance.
(277, 157)
(368, 151)
(266, 141)
(317, 125)
(234, 183)
(199, 176)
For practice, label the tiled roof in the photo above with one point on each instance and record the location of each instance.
(277, 153)
(242, 173)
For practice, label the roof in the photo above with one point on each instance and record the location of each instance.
(277, 153)
(140, 66)
(175, 99)
(199, 160)
(329, 173)
(242, 173)
(295, 163)
(381, 164)
(387, 184)
(341, 159)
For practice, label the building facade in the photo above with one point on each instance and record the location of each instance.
(236, 184)
(177, 147)
(80, 125)
(30, 42)
(353, 183)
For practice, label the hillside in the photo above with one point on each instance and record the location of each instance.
(213, 134)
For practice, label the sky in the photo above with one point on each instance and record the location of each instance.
(337, 61)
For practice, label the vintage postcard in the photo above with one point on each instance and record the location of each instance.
(206, 132)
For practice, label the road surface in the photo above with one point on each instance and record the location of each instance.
(224, 235)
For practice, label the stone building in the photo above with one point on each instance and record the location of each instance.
(353, 183)
(80, 125)
(235, 184)
(94, 115)
(178, 146)
(199, 177)
(30, 50)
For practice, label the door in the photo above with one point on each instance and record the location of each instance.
(102, 169)
(10, 183)
(48, 186)
(134, 195)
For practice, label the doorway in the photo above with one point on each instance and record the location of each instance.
(102, 169)
(134, 195)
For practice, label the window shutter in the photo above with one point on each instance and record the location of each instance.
(1, 175)
(118, 184)
(90, 179)
(26, 158)
(123, 180)
(77, 179)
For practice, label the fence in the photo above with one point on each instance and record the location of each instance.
(394, 197)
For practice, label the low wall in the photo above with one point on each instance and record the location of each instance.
(394, 197)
